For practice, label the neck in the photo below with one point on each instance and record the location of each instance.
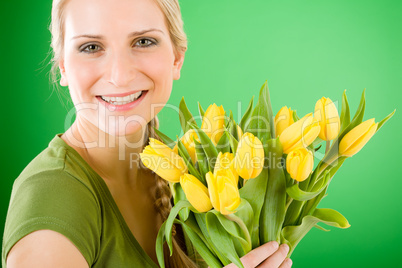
(115, 158)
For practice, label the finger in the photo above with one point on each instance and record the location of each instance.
(277, 258)
(257, 255)
(287, 263)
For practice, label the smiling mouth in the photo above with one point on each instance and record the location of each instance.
(122, 100)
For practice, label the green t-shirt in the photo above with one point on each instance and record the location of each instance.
(59, 191)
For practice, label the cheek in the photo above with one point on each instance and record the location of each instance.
(81, 75)
(160, 70)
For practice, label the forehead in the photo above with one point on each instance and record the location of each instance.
(112, 17)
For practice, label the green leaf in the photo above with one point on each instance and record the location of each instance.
(345, 113)
(321, 228)
(293, 234)
(222, 239)
(160, 240)
(246, 117)
(185, 116)
(293, 212)
(201, 248)
(170, 220)
(297, 194)
(165, 139)
(178, 195)
(331, 217)
(245, 212)
(382, 122)
(357, 119)
(200, 110)
(232, 141)
(256, 187)
(295, 117)
(223, 144)
(235, 231)
(202, 223)
(202, 159)
(197, 239)
(209, 148)
(187, 159)
(274, 209)
(315, 143)
(259, 123)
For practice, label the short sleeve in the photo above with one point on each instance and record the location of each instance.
(57, 201)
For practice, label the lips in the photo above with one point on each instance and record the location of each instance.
(122, 103)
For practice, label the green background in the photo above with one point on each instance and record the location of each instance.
(305, 49)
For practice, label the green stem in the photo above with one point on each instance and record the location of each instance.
(288, 203)
(243, 227)
(327, 146)
(321, 169)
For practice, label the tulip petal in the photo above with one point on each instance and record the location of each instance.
(213, 190)
(162, 167)
(359, 144)
(305, 167)
(229, 197)
(196, 193)
(354, 135)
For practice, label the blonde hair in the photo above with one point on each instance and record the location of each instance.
(174, 22)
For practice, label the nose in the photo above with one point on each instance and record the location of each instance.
(121, 69)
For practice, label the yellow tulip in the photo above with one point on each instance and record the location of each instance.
(196, 193)
(300, 134)
(224, 195)
(300, 163)
(249, 158)
(224, 161)
(355, 139)
(327, 115)
(283, 119)
(213, 122)
(189, 144)
(224, 166)
(162, 160)
(239, 131)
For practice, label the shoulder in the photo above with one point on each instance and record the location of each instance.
(57, 164)
(55, 192)
(45, 248)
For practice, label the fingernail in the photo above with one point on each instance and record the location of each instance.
(289, 262)
(286, 247)
(275, 244)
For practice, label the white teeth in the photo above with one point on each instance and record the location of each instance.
(122, 100)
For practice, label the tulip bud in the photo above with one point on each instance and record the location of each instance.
(327, 115)
(283, 119)
(162, 160)
(300, 134)
(300, 163)
(196, 193)
(224, 166)
(355, 139)
(249, 158)
(188, 142)
(239, 132)
(224, 195)
(224, 161)
(213, 122)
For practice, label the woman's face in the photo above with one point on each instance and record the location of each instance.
(118, 62)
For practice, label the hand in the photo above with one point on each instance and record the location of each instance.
(269, 255)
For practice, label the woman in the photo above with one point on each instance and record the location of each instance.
(82, 202)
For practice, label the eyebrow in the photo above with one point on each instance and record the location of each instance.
(129, 36)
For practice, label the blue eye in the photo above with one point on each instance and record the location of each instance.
(145, 42)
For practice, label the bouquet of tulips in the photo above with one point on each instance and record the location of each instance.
(239, 185)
